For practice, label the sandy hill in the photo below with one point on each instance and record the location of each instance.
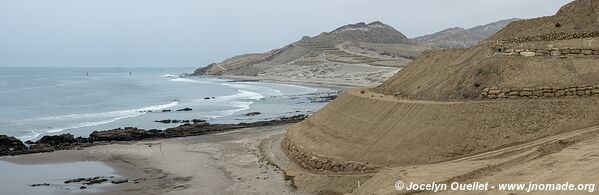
(528, 92)
(357, 53)
(576, 17)
(375, 32)
(460, 37)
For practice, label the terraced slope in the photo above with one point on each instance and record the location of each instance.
(518, 86)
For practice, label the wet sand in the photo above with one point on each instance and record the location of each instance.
(225, 163)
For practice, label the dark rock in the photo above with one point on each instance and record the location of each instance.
(207, 128)
(120, 181)
(14, 146)
(185, 109)
(39, 184)
(82, 187)
(166, 110)
(164, 121)
(75, 180)
(139, 179)
(198, 121)
(29, 142)
(324, 97)
(95, 180)
(253, 114)
(207, 98)
(154, 131)
(82, 139)
(10, 145)
(87, 181)
(298, 117)
(175, 121)
(185, 121)
(54, 140)
(126, 134)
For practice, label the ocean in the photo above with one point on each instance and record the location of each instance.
(46, 101)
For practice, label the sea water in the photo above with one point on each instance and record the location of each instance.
(43, 101)
(18, 178)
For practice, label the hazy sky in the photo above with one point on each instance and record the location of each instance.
(188, 33)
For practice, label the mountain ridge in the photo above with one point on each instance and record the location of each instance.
(458, 37)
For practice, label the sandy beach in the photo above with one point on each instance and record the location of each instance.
(224, 163)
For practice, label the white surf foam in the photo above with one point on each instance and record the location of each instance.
(238, 102)
(86, 120)
(237, 105)
(169, 76)
(265, 90)
(304, 89)
(188, 80)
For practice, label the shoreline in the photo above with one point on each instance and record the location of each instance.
(186, 94)
(138, 158)
(230, 159)
(335, 84)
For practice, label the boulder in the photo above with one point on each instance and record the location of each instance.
(198, 121)
(126, 134)
(39, 184)
(185, 109)
(8, 145)
(252, 113)
(54, 140)
(120, 181)
(164, 121)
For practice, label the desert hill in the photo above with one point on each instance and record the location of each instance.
(525, 93)
(366, 53)
(462, 38)
(375, 32)
(359, 54)
(577, 17)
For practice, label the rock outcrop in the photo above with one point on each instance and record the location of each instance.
(54, 140)
(14, 146)
(10, 145)
(124, 134)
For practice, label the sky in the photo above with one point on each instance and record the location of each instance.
(195, 33)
